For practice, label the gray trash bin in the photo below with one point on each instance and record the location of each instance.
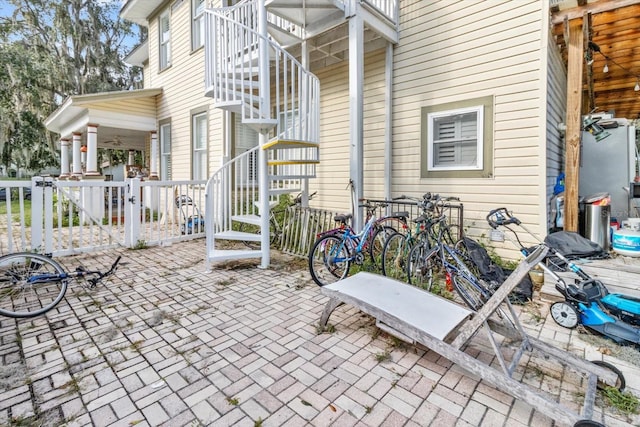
(597, 219)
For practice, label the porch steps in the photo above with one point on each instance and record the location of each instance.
(231, 254)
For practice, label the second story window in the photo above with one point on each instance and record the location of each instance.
(164, 26)
(197, 27)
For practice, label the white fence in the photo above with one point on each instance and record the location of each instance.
(65, 217)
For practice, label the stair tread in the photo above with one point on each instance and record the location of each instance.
(292, 162)
(228, 254)
(289, 143)
(247, 219)
(237, 235)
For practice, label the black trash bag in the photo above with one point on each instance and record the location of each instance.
(492, 272)
(574, 246)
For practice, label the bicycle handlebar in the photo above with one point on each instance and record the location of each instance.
(501, 217)
(81, 272)
(298, 199)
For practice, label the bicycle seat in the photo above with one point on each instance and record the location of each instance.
(402, 215)
(343, 218)
(421, 219)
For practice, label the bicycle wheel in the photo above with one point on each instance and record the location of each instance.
(422, 266)
(394, 257)
(462, 252)
(30, 284)
(472, 293)
(329, 260)
(376, 244)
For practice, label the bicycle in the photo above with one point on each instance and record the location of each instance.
(425, 263)
(395, 252)
(276, 223)
(335, 250)
(32, 284)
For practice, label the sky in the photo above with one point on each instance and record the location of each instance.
(6, 10)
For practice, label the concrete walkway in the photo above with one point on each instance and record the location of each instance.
(165, 343)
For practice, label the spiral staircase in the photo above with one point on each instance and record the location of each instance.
(250, 71)
(251, 75)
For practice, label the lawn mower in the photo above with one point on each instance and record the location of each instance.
(192, 220)
(587, 301)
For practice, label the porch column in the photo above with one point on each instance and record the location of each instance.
(92, 150)
(64, 159)
(153, 172)
(77, 159)
(263, 64)
(356, 108)
(131, 161)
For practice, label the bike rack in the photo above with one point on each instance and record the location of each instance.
(400, 309)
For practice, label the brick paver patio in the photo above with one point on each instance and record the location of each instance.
(166, 343)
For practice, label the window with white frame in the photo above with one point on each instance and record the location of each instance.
(197, 25)
(164, 26)
(455, 139)
(458, 139)
(165, 152)
(199, 135)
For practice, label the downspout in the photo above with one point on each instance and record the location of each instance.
(388, 123)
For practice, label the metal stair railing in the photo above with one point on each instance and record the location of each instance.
(232, 76)
(235, 55)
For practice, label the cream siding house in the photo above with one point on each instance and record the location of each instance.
(458, 98)
(183, 90)
(449, 53)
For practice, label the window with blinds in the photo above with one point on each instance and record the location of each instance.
(245, 139)
(455, 139)
(197, 26)
(165, 152)
(164, 26)
(199, 135)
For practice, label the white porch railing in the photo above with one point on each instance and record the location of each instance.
(66, 217)
(388, 8)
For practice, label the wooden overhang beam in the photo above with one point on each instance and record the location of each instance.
(597, 7)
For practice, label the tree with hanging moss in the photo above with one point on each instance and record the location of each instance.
(49, 50)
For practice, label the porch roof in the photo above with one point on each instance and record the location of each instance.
(611, 37)
(124, 118)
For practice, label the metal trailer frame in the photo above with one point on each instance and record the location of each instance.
(400, 310)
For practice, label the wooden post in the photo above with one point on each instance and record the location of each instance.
(573, 122)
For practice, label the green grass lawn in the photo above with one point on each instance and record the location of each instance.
(15, 211)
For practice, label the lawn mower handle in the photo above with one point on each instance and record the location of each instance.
(501, 216)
